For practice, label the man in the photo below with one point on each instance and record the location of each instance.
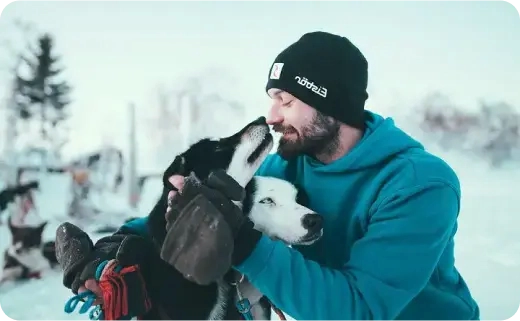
(390, 208)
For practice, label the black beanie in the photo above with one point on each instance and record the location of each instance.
(327, 72)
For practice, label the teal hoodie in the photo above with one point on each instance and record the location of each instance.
(390, 210)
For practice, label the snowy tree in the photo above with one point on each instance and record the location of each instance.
(41, 96)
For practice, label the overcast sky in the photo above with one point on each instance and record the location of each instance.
(117, 52)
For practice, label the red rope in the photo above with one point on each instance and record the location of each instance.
(115, 292)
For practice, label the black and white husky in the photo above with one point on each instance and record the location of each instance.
(276, 208)
(27, 256)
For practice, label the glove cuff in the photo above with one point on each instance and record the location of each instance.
(245, 242)
(70, 274)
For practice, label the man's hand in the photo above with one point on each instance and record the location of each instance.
(177, 181)
(203, 226)
(92, 285)
(79, 258)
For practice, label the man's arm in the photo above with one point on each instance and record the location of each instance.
(388, 267)
(137, 226)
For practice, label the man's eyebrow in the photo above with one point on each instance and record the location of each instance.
(275, 93)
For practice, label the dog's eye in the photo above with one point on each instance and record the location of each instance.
(267, 200)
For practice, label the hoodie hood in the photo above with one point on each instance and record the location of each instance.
(382, 140)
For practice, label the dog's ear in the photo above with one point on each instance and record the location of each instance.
(12, 228)
(34, 185)
(42, 225)
(177, 167)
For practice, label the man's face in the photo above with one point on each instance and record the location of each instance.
(304, 129)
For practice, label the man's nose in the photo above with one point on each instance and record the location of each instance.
(274, 116)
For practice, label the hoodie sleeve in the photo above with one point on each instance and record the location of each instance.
(137, 226)
(388, 267)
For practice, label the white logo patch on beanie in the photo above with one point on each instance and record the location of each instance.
(276, 70)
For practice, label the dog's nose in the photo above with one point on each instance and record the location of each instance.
(312, 222)
(260, 121)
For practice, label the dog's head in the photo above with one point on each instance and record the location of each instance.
(26, 245)
(26, 237)
(240, 154)
(278, 209)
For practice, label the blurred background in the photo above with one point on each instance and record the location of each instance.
(96, 98)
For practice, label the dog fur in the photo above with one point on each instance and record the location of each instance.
(9, 194)
(268, 200)
(27, 255)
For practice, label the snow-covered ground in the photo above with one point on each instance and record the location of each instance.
(488, 245)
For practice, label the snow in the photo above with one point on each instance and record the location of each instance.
(487, 244)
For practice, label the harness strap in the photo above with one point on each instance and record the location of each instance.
(244, 305)
(276, 310)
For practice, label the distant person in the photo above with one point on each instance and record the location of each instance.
(390, 207)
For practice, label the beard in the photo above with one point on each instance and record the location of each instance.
(319, 137)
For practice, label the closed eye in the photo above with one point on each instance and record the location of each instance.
(267, 200)
(287, 104)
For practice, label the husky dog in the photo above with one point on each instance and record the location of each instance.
(27, 256)
(276, 207)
